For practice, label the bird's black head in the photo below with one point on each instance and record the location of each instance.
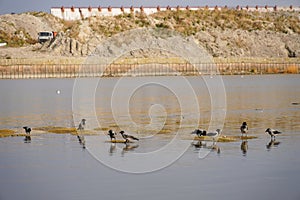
(121, 132)
(268, 129)
(244, 124)
(25, 127)
(110, 131)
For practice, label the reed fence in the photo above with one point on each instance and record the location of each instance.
(22, 71)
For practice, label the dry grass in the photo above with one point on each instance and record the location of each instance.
(58, 130)
(6, 133)
(220, 139)
(101, 129)
(12, 40)
(189, 22)
(10, 133)
(248, 137)
(224, 138)
(65, 130)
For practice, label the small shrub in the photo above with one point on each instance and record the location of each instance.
(161, 25)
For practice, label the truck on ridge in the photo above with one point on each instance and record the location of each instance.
(44, 36)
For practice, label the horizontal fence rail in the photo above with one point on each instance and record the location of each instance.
(20, 71)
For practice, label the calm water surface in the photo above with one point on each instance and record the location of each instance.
(55, 166)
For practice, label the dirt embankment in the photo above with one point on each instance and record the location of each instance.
(224, 34)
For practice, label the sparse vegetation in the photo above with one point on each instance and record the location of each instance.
(6, 133)
(17, 39)
(224, 33)
(58, 130)
(38, 14)
(64, 130)
(190, 22)
(183, 21)
(72, 27)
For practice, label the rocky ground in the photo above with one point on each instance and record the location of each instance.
(224, 34)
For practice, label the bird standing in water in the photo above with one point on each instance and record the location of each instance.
(127, 137)
(244, 129)
(199, 132)
(81, 125)
(112, 135)
(27, 137)
(272, 132)
(27, 129)
(214, 134)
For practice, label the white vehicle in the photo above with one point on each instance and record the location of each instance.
(45, 36)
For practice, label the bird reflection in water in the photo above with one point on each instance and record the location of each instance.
(129, 147)
(27, 139)
(112, 149)
(272, 144)
(206, 144)
(81, 140)
(244, 147)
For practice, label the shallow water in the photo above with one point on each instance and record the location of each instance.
(55, 166)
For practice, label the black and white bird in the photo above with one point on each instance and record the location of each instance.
(112, 135)
(272, 132)
(27, 129)
(27, 137)
(244, 128)
(199, 132)
(81, 125)
(214, 134)
(127, 137)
